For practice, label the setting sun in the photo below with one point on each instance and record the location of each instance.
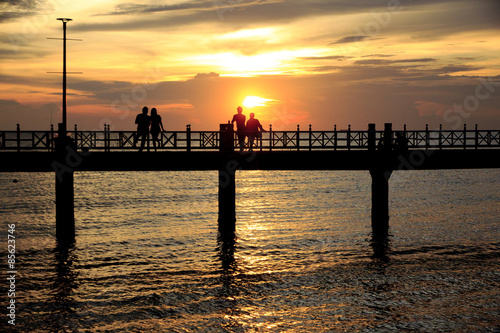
(252, 101)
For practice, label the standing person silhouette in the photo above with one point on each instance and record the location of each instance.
(240, 118)
(253, 126)
(142, 121)
(156, 126)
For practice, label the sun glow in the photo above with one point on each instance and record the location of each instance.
(252, 101)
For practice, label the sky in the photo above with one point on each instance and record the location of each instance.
(320, 63)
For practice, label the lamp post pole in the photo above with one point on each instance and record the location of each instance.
(64, 127)
(65, 207)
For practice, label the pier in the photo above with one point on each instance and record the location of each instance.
(379, 152)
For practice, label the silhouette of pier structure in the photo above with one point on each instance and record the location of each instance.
(378, 151)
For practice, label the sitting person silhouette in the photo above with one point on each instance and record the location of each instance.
(252, 129)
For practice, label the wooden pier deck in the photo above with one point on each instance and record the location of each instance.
(379, 152)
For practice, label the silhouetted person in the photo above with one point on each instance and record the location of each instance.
(401, 142)
(252, 128)
(156, 126)
(142, 121)
(240, 118)
(380, 145)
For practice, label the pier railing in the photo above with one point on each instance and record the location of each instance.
(188, 140)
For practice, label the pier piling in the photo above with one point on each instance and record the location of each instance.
(65, 207)
(380, 201)
(227, 182)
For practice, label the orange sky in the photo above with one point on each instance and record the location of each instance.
(310, 62)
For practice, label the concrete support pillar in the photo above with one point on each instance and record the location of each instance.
(227, 202)
(380, 201)
(227, 183)
(65, 207)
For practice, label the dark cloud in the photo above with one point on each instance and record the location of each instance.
(7, 103)
(131, 8)
(339, 58)
(13, 9)
(467, 58)
(206, 76)
(387, 62)
(378, 56)
(349, 39)
(458, 68)
(324, 69)
(418, 20)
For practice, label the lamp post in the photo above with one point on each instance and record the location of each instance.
(64, 128)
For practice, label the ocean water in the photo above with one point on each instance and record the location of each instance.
(147, 256)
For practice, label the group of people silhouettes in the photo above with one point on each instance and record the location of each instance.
(250, 129)
(153, 124)
(147, 124)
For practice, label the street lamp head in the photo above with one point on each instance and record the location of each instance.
(65, 19)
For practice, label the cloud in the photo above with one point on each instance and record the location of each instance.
(377, 56)
(353, 95)
(339, 58)
(426, 108)
(132, 9)
(349, 39)
(458, 68)
(413, 19)
(12, 9)
(206, 76)
(387, 62)
(8, 103)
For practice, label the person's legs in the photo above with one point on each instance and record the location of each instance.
(143, 136)
(154, 136)
(241, 139)
(251, 138)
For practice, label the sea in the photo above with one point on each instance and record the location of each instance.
(148, 256)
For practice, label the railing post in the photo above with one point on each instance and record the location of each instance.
(310, 137)
(51, 146)
(270, 137)
(109, 137)
(260, 135)
(372, 141)
(76, 136)
(349, 137)
(298, 137)
(465, 136)
(18, 138)
(405, 134)
(335, 137)
(427, 139)
(105, 138)
(188, 137)
(476, 138)
(440, 136)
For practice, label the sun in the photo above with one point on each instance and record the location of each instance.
(252, 101)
